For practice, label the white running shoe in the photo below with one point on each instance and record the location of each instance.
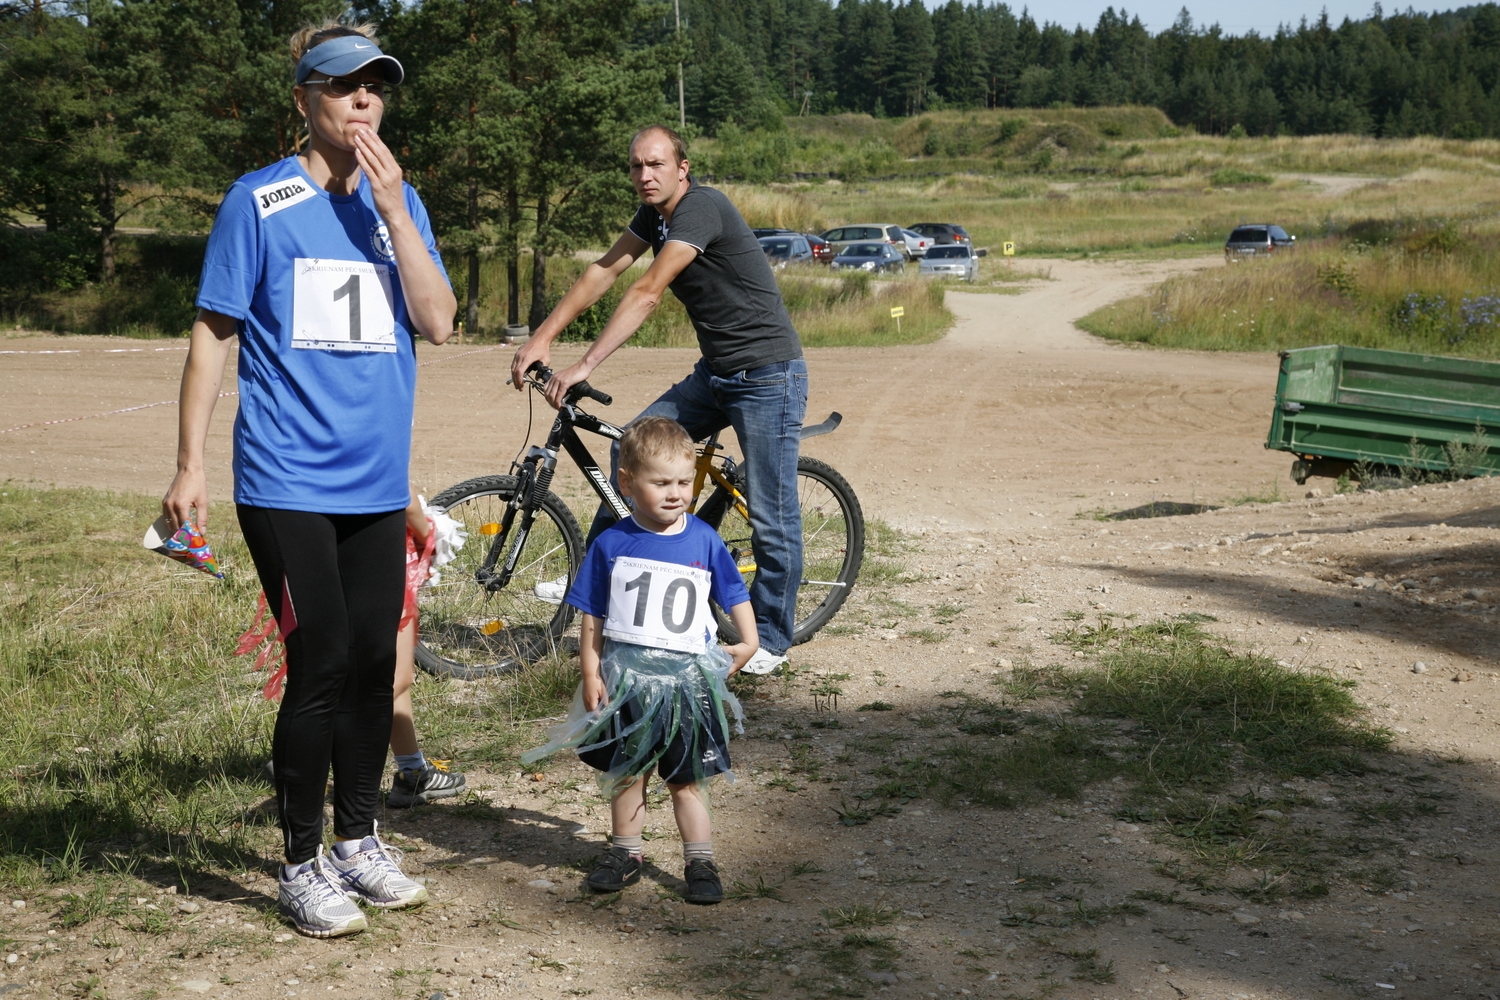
(316, 902)
(371, 875)
(764, 663)
(551, 591)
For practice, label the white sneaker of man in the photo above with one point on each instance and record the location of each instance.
(316, 902)
(764, 663)
(551, 591)
(371, 873)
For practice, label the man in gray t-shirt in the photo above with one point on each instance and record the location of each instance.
(752, 376)
(728, 290)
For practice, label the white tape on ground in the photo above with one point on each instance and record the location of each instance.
(107, 413)
(107, 350)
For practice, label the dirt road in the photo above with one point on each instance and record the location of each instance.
(1014, 411)
(984, 447)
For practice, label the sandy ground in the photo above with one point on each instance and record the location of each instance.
(984, 446)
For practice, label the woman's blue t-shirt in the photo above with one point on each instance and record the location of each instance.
(327, 366)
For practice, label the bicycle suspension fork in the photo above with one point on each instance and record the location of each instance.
(535, 480)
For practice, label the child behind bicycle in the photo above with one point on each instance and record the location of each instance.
(653, 692)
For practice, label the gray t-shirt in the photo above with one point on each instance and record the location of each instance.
(728, 289)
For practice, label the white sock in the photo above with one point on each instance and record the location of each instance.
(633, 846)
(289, 872)
(697, 850)
(344, 849)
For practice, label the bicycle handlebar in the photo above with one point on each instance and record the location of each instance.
(579, 391)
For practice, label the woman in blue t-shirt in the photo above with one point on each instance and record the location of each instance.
(324, 266)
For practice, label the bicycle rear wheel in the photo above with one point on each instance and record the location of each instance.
(467, 631)
(833, 544)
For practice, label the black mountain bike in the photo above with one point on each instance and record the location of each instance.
(499, 605)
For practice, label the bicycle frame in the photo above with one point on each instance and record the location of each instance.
(536, 470)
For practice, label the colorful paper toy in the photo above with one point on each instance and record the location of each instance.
(186, 545)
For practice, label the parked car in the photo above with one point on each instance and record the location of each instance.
(773, 231)
(874, 257)
(823, 251)
(788, 249)
(956, 260)
(916, 244)
(864, 233)
(941, 234)
(1256, 241)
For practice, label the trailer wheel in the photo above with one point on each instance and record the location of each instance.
(1301, 469)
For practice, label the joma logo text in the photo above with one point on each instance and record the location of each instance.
(269, 198)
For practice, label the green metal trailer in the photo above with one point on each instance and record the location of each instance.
(1359, 411)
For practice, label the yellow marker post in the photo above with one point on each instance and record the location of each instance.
(1008, 248)
(896, 313)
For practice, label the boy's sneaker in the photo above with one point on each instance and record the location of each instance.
(763, 663)
(316, 902)
(422, 784)
(703, 885)
(615, 870)
(371, 874)
(551, 591)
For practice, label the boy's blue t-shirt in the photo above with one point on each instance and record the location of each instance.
(697, 546)
(327, 365)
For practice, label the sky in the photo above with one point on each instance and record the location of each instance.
(1236, 17)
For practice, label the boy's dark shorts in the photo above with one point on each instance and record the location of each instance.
(709, 748)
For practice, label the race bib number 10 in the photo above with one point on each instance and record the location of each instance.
(342, 305)
(658, 604)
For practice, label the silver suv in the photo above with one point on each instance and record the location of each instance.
(866, 232)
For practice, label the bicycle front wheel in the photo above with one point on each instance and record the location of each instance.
(833, 544)
(467, 631)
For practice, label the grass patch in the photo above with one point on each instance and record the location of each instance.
(1233, 176)
(859, 916)
(1429, 285)
(1269, 493)
(137, 737)
(1086, 966)
(760, 888)
(1185, 722)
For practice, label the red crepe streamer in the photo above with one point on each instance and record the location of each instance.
(265, 635)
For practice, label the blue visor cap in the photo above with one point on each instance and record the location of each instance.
(348, 54)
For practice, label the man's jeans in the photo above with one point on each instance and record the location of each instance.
(765, 407)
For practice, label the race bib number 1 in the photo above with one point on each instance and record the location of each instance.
(659, 604)
(342, 305)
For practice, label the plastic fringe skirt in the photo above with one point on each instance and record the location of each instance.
(653, 696)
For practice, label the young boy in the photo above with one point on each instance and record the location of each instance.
(649, 654)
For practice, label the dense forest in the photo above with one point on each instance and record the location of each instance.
(1403, 75)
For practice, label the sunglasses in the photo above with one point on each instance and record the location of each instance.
(339, 88)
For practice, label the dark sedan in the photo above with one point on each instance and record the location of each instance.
(869, 257)
(941, 234)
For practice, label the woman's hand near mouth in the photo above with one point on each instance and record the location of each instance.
(384, 173)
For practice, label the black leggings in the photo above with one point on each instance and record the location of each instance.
(336, 584)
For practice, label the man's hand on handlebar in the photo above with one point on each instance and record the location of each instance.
(529, 354)
(579, 389)
(560, 382)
